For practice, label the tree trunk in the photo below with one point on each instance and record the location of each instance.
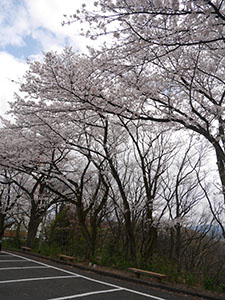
(35, 220)
(2, 229)
(126, 206)
(221, 169)
(84, 230)
(178, 246)
(171, 243)
(130, 235)
(127, 213)
(18, 227)
(152, 238)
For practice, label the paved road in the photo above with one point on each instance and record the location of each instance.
(22, 278)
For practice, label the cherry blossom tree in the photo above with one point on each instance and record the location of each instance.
(164, 64)
(86, 188)
(56, 171)
(168, 57)
(10, 195)
(31, 155)
(63, 104)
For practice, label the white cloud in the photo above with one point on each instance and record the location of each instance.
(40, 19)
(11, 71)
(36, 17)
(14, 23)
(49, 15)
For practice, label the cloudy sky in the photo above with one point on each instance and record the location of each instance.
(27, 28)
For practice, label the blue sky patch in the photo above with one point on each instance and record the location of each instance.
(30, 47)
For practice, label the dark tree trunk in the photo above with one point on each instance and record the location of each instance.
(221, 169)
(2, 229)
(152, 238)
(84, 230)
(35, 220)
(178, 246)
(127, 212)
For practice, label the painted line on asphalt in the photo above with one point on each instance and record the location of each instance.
(11, 260)
(87, 294)
(37, 279)
(43, 264)
(143, 294)
(23, 268)
(91, 279)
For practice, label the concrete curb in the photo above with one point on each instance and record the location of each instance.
(120, 276)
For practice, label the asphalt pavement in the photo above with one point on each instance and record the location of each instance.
(22, 278)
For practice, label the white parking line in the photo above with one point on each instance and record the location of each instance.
(90, 279)
(87, 294)
(23, 268)
(36, 279)
(10, 260)
(43, 264)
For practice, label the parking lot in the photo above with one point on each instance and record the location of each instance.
(22, 278)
